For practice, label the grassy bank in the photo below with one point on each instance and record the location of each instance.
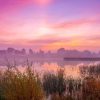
(15, 85)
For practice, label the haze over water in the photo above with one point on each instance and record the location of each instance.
(53, 29)
(43, 62)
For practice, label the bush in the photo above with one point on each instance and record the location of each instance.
(91, 89)
(21, 86)
(57, 97)
(54, 83)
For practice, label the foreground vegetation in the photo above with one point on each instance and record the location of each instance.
(15, 85)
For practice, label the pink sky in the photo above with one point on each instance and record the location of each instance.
(50, 24)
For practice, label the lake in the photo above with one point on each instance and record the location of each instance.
(72, 68)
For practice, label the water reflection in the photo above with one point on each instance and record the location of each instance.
(72, 68)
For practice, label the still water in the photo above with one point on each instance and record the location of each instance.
(72, 68)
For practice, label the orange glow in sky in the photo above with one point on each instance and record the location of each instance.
(50, 24)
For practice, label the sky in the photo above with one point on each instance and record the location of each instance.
(50, 24)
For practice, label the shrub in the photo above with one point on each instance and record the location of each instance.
(21, 86)
(91, 89)
(57, 97)
(54, 83)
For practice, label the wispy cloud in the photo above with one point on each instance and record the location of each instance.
(47, 25)
(76, 23)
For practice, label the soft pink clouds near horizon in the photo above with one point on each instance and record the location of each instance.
(33, 24)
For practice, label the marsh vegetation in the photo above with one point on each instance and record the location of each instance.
(29, 85)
